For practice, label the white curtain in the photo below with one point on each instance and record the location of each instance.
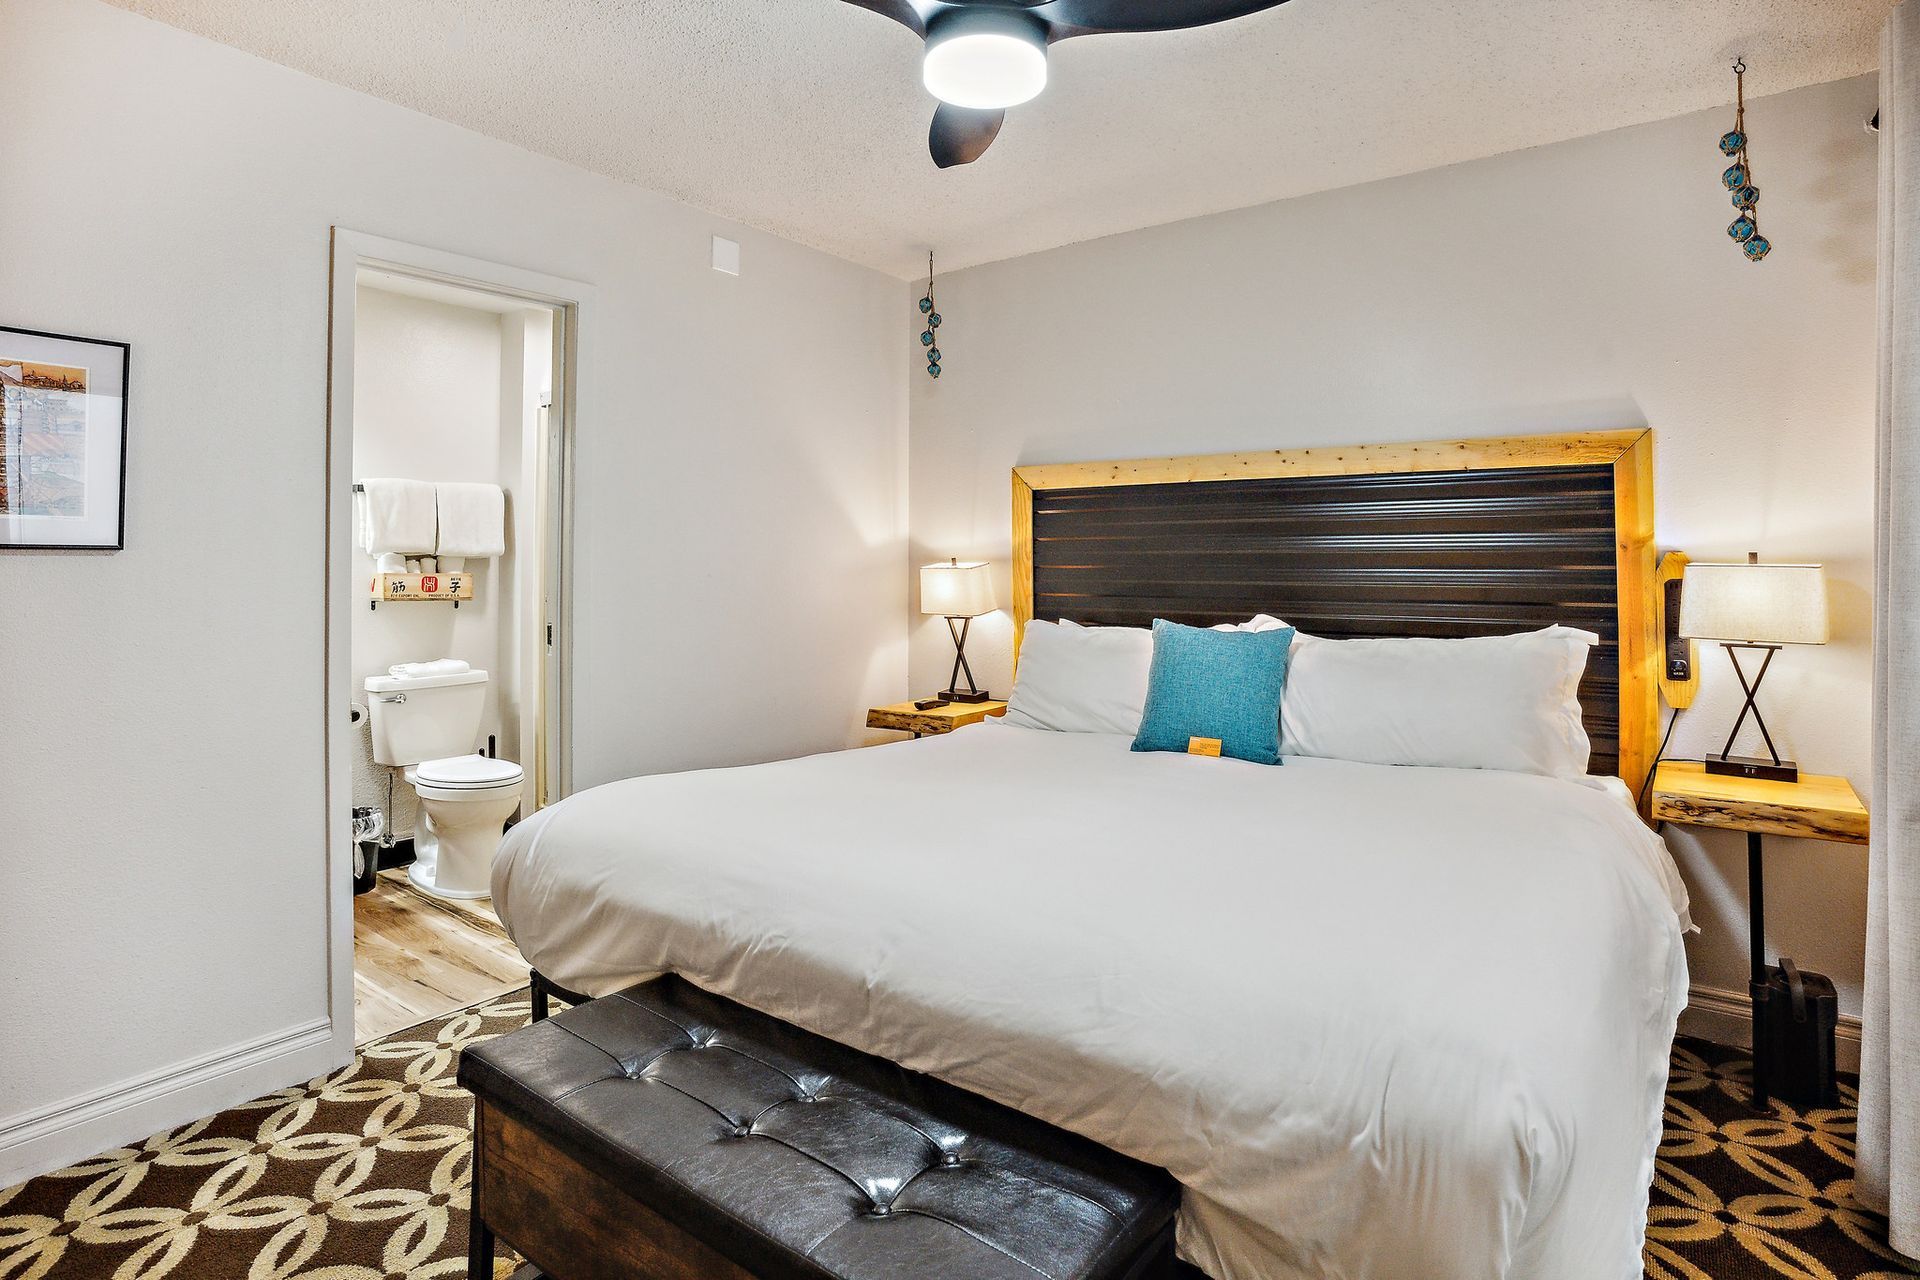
(1889, 1137)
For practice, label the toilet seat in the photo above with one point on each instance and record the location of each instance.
(465, 778)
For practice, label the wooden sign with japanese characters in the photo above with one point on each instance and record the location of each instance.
(423, 586)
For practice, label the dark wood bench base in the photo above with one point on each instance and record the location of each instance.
(568, 1221)
(545, 1177)
(787, 1153)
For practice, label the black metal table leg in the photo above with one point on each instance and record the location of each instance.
(541, 991)
(1757, 979)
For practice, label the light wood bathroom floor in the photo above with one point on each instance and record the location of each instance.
(416, 957)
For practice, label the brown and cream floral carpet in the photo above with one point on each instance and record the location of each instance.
(363, 1175)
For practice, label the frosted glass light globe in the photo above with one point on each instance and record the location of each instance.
(985, 70)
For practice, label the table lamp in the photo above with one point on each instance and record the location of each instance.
(959, 593)
(1756, 607)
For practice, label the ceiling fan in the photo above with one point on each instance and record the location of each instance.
(984, 56)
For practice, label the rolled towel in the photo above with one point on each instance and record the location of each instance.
(391, 562)
(397, 515)
(472, 520)
(453, 564)
(438, 667)
(413, 566)
(429, 565)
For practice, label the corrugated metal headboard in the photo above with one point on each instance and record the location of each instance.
(1454, 538)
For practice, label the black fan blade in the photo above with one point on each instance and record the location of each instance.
(1093, 17)
(961, 135)
(904, 12)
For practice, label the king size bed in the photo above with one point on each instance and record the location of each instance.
(1380, 1021)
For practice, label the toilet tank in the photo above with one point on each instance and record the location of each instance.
(425, 717)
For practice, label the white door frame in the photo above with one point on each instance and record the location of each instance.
(571, 302)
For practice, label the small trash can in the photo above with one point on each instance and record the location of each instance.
(368, 827)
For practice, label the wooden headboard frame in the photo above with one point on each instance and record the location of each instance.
(1629, 454)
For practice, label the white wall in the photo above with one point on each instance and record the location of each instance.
(1588, 284)
(739, 535)
(526, 392)
(434, 399)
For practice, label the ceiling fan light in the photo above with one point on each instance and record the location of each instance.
(985, 64)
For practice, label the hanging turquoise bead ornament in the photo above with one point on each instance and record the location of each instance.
(1738, 176)
(932, 321)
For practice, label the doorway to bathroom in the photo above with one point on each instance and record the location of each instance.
(450, 412)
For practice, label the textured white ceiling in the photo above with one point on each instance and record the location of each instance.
(806, 117)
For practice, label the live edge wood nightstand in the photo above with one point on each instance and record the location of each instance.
(1815, 808)
(907, 718)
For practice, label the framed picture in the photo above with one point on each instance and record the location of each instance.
(63, 441)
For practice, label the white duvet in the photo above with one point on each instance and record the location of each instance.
(1379, 1022)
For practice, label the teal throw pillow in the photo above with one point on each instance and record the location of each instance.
(1215, 692)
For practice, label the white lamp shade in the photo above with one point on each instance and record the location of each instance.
(1758, 603)
(956, 590)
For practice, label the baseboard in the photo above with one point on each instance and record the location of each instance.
(398, 854)
(57, 1135)
(1726, 1017)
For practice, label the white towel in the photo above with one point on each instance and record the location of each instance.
(396, 515)
(473, 520)
(438, 667)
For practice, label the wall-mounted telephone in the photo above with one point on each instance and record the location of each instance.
(1679, 674)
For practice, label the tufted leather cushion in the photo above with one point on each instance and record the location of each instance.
(798, 1157)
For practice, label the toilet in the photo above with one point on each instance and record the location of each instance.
(423, 724)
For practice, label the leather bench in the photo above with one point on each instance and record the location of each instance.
(666, 1134)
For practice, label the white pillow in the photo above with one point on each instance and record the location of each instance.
(1258, 622)
(1498, 702)
(1076, 679)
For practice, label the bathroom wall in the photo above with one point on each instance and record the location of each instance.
(447, 392)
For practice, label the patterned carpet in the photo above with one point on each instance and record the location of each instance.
(1738, 1195)
(359, 1175)
(363, 1175)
